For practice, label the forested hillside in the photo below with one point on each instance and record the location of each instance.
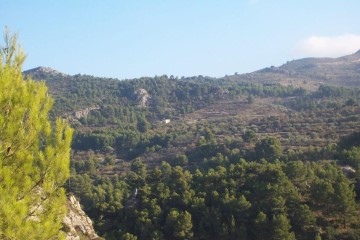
(273, 154)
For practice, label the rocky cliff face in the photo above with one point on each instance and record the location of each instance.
(76, 224)
(142, 97)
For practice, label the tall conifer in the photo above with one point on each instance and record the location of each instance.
(34, 154)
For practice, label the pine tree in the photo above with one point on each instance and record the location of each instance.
(128, 236)
(281, 228)
(178, 225)
(318, 236)
(344, 198)
(261, 227)
(268, 148)
(34, 154)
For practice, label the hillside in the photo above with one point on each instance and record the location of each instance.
(126, 118)
(217, 158)
(307, 73)
(310, 72)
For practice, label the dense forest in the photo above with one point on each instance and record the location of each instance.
(271, 196)
(205, 158)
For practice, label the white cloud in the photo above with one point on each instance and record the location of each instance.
(316, 46)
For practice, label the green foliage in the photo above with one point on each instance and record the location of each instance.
(249, 136)
(351, 157)
(221, 200)
(180, 160)
(128, 236)
(269, 149)
(281, 228)
(178, 225)
(250, 99)
(34, 154)
(352, 140)
(261, 226)
(344, 197)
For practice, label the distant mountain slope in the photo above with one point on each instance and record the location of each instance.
(79, 92)
(310, 72)
(342, 71)
(165, 95)
(74, 92)
(306, 65)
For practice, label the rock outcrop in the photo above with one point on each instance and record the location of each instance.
(44, 70)
(142, 97)
(84, 112)
(74, 116)
(76, 224)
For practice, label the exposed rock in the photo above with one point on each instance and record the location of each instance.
(165, 121)
(44, 70)
(76, 224)
(142, 97)
(84, 112)
(81, 113)
(348, 170)
(132, 201)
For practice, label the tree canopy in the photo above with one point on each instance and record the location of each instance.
(34, 153)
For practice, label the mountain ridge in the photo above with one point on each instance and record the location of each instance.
(355, 55)
(341, 71)
(309, 73)
(43, 70)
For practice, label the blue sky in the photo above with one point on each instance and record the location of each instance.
(128, 39)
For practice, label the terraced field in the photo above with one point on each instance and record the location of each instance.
(266, 117)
